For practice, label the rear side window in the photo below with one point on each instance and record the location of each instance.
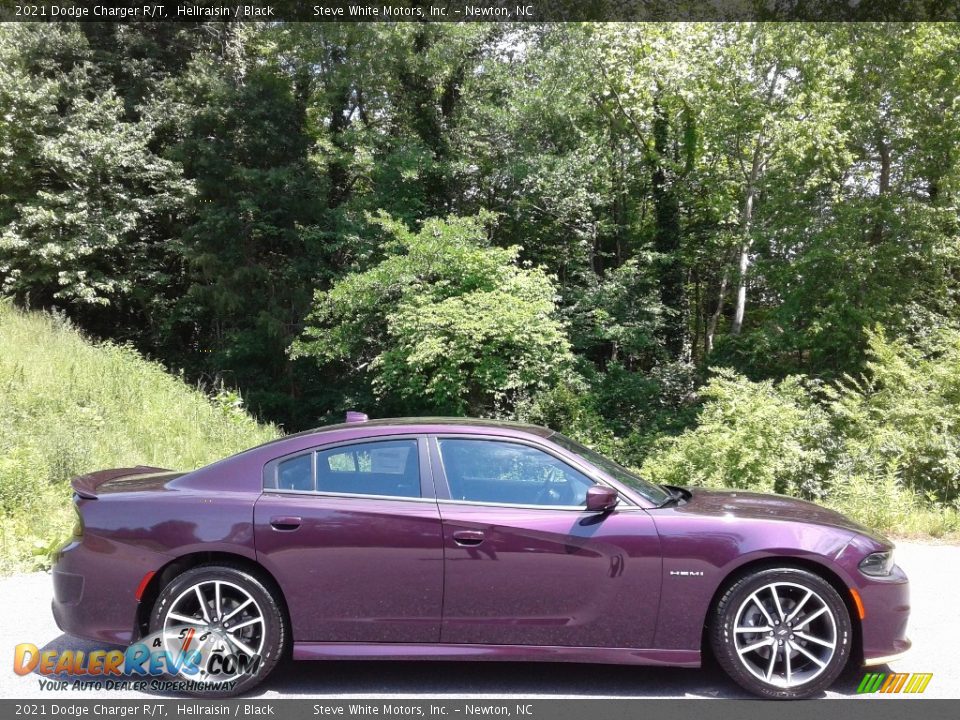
(295, 473)
(388, 467)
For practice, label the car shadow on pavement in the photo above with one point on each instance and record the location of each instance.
(458, 679)
(336, 679)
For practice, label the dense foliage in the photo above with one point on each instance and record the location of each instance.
(444, 323)
(883, 447)
(626, 231)
(70, 406)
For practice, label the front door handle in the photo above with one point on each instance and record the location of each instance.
(285, 522)
(468, 538)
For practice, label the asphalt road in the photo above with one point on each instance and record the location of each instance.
(934, 572)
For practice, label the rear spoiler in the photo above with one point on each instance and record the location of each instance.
(86, 485)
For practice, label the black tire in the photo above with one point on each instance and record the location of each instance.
(274, 632)
(791, 587)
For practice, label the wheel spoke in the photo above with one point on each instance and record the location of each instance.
(246, 623)
(808, 618)
(799, 607)
(237, 609)
(203, 603)
(776, 603)
(819, 641)
(217, 598)
(806, 654)
(755, 646)
(240, 644)
(184, 619)
(763, 610)
(799, 648)
(773, 662)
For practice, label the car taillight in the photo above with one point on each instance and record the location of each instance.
(78, 520)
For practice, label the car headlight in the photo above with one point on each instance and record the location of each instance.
(878, 564)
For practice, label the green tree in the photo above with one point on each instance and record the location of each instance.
(81, 182)
(444, 323)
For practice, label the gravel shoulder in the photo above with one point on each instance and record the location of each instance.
(934, 629)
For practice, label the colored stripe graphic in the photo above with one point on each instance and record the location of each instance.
(894, 683)
(920, 682)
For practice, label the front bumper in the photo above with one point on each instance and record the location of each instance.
(887, 659)
(887, 609)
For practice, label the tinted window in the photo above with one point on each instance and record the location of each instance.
(389, 467)
(295, 474)
(654, 493)
(501, 472)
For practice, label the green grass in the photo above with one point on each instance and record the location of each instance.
(69, 406)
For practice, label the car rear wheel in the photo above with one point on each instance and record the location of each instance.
(782, 633)
(231, 622)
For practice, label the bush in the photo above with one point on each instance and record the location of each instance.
(883, 448)
(69, 406)
(755, 435)
(904, 415)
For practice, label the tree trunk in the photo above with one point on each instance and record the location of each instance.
(883, 188)
(884, 148)
(715, 317)
(746, 222)
(667, 241)
(737, 325)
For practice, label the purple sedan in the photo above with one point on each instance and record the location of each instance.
(456, 539)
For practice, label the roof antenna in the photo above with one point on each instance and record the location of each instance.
(353, 416)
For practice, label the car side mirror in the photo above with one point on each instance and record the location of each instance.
(601, 498)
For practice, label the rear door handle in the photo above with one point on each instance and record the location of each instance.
(285, 522)
(468, 538)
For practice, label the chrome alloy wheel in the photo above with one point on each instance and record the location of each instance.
(785, 634)
(215, 617)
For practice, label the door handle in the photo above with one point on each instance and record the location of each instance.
(468, 538)
(285, 522)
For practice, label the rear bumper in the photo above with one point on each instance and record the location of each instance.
(94, 588)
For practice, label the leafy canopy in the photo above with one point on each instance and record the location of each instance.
(444, 322)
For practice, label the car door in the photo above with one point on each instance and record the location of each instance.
(352, 534)
(526, 563)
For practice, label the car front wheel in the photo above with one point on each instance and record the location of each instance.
(782, 633)
(223, 628)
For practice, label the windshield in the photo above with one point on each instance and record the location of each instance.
(653, 493)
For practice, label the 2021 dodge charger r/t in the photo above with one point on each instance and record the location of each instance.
(460, 539)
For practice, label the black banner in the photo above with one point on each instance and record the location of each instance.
(480, 11)
(443, 709)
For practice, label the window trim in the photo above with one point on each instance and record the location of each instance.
(427, 492)
(443, 485)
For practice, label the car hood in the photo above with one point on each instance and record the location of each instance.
(763, 506)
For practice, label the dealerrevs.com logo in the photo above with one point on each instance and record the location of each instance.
(183, 661)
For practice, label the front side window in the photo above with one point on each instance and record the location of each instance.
(493, 471)
(389, 467)
(654, 493)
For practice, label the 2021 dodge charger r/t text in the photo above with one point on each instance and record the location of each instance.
(460, 539)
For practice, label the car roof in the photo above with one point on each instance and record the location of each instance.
(416, 424)
(421, 422)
